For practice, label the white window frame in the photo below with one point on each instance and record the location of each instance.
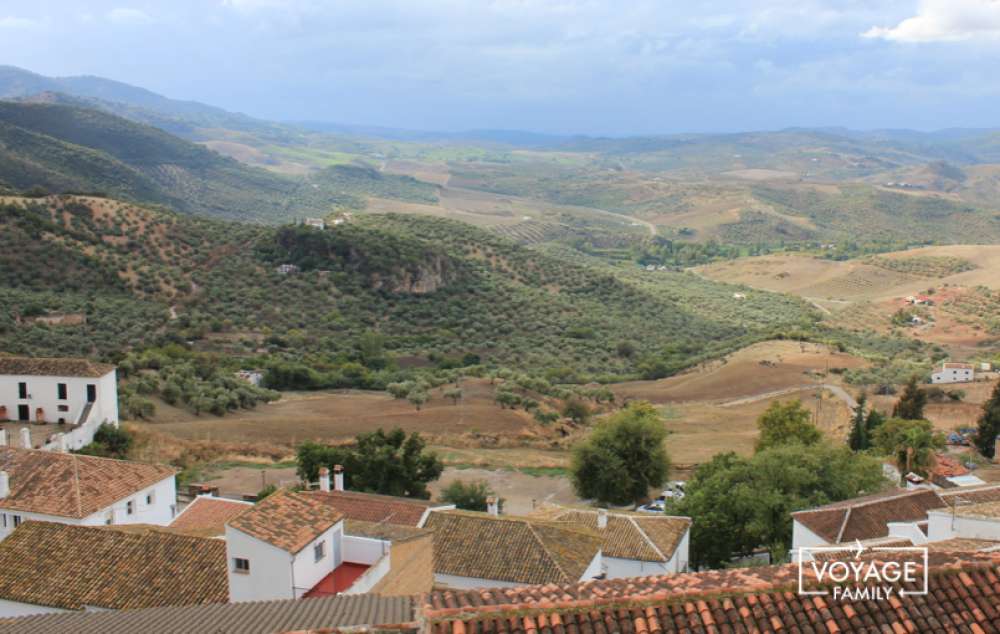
(319, 551)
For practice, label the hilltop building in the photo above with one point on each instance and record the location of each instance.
(77, 394)
(954, 373)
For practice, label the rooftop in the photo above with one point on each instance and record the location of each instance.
(72, 567)
(30, 366)
(383, 531)
(982, 510)
(287, 520)
(71, 485)
(963, 594)
(258, 617)
(371, 507)
(207, 516)
(639, 536)
(868, 517)
(513, 549)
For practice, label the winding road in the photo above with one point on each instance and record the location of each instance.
(836, 390)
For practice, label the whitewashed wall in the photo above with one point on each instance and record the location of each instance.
(803, 537)
(270, 575)
(306, 571)
(43, 392)
(16, 608)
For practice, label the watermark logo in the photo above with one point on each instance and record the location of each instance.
(850, 577)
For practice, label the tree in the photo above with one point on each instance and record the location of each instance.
(379, 462)
(873, 422)
(623, 457)
(455, 394)
(417, 398)
(858, 439)
(469, 496)
(910, 405)
(266, 491)
(786, 423)
(740, 504)
(989, 424)
(912, 443)
(576, 410)
(110, 442)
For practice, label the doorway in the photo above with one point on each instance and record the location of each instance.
(22, 413)
(91, 393)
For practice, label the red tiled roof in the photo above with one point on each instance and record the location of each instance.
(72, 567)
(289, 521)
(207, 516)
(71, 485)
(868, 517)
(371, 507)
(964, 594)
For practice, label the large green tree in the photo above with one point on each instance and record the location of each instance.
(989, 425)
(390, 463)
(623, 457)
(910, 405)
(858, 439)
(740, 504)
(469, 496)
(911, 443)
(786, 423)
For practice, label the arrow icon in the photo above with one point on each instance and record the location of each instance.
(859, 548)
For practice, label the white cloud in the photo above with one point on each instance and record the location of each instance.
(127, 15)
(14, 22)
(945, 21)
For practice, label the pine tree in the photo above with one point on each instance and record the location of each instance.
(911, 404)
(873, 422)
(858, 440)
(989, 425)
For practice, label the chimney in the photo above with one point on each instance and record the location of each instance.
(338, 477)
(3, 437)
(491, 506)
(4, 484)
(26, 438)
(602, 518)
(324, 479)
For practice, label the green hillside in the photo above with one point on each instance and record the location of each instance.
(424, 288)
(61, 148)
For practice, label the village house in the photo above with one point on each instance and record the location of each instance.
(47, 567)
(77, 394)
(634, 544)
(898, 517)
(954, 373)
(479, 550)
(315, 223)
(292, 545)
(82, 490)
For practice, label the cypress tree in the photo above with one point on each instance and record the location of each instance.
(910, 405)
(858, 440)
(989, 425)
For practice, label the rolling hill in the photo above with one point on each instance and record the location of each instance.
(60, 148)
(430, 288)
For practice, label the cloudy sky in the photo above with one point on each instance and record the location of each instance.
(566, 66)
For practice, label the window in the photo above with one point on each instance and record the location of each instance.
(150, 498)
(3, 520)
(22, 390)
(319, 551)
(64, 408)
(17, 520)
(241, 565)
(130, 507)
(61, 391)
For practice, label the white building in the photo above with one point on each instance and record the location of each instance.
(81, 490)
(291, 546)
(315, 223)
(954, 373)
(77, 393)
(635, 544)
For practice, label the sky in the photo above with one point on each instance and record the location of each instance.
(611, 67)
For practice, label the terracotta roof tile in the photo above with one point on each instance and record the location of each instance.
(287, 520)
(71, 485)
(868, 517)
(513, 549)
(72, 567)
(207, 516)
(30, 366)
(384, 531)
(638, 536)
(964, 592)
(371, 507)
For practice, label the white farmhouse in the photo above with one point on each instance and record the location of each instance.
(954, 373)
(81, 490)
(315, 223)
(77, 393)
